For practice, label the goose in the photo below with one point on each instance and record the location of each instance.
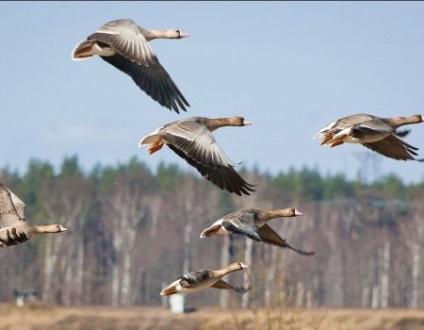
(192, 140)
(253, 223)
(205, 278)
(380, 135)
(13, 227)
(125, 45)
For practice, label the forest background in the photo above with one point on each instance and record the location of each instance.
(134, 229)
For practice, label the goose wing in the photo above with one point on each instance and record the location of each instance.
(225, 177)
(242, 218)
(194, 278)
(126, 39)
(154, 80)
(354, 119)
(249, 231)
(135, 57)
(342, 123)
(221, 284)
(11, 207)
(394, 148)
(372, 127)
(268, 235)
(197, 142)
(19, 205)
(403, 133)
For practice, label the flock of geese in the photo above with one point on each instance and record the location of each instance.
(125, 45)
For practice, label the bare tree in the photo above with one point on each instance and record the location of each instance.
(413, 236)
(126, 210)
(384, 279)
(64, 254)
(225, 260)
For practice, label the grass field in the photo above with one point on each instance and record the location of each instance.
(104, 318)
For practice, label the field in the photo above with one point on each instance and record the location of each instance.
(105, 318)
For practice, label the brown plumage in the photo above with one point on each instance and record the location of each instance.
(202, 279)
(377, 134)
(125, 45)
(13, 227)
(192, 140)
(253, 223)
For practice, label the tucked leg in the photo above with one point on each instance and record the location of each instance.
(155, 146)
(326, 138)
(336, 143)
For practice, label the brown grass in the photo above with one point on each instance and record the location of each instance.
(143, 318)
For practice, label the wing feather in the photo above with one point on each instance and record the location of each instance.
(125, 37)
(225, 178)
(11, 207)
(394, 148)
(221, 284)
(153, 80)
(197, 142)
(268, 235)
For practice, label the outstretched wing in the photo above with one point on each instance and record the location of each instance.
(242, 218)
(127, 39)
(221, 284)
(342, 123)
(225, 177)
(11, 207)
(197, 142)
(249, 231)
(268, 235)
(133, 55)
(394, 148)
(153, 80)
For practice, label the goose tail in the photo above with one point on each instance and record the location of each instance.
(168, 291)
(83, 50)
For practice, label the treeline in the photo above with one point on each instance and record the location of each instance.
(133, 229)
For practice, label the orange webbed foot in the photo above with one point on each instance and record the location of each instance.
(155, 147)
(336, 143)
(326, 138)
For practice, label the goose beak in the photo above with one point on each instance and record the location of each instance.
(297, 213)
(184, 35)
(244, 266)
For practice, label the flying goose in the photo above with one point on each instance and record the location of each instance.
(192, 140)
(125, 45)
(253, 223)
(377, 134)
(13, 227)
(202, 279)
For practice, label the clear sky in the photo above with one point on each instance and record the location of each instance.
(288, 67)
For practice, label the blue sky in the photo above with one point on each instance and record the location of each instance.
(288, 67)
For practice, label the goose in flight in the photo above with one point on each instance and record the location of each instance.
(253, 223)
(13, 227)
(377, 134)
(125, 45)
(192, 140)
(205, 278)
